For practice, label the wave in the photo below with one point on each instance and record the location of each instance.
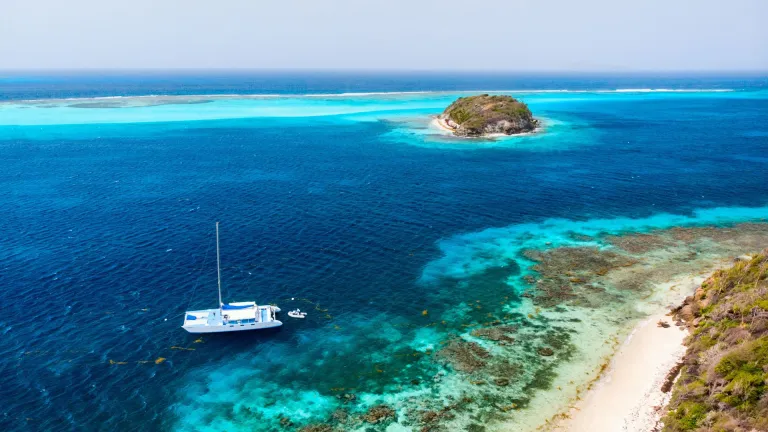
(664, 90)
(364, 94)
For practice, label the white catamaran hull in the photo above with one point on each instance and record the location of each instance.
(232, 327)
(239, 317)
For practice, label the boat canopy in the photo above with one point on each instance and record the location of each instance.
(236, 306)
(236, 315)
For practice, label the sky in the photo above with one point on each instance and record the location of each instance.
(510, 35)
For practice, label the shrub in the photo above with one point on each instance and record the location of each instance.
(724, 386)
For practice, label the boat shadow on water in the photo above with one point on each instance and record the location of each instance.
(242, 339)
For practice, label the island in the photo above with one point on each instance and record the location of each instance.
(486, 115)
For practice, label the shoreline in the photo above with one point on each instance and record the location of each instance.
(627, 397)
(607, 313)
(443, 127)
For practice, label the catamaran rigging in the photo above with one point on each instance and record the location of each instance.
(237, 316)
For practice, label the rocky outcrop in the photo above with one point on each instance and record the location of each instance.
(476, 116)
(723, 378)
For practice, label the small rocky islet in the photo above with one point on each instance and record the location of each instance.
(483, 115)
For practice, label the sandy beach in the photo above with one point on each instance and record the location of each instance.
(440, 124)
(628, 396)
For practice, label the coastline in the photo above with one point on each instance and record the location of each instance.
(443, 128)
(627, 396)
(440, 124)
(652, 266)
(447, 259)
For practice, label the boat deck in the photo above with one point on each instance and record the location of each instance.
(245, 316)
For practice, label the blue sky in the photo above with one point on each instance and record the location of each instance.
(565, 35)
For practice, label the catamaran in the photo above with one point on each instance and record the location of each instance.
(230, 317)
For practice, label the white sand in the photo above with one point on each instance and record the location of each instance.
(629, 397)
(442, 126)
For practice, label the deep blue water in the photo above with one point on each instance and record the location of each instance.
(108, 229)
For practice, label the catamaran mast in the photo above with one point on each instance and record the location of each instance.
(218, 263)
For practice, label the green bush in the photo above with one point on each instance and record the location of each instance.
(686, 417)
(473, 113)
(732, 395)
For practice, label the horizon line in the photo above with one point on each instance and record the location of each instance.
(396, 71)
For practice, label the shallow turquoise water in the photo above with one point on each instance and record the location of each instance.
(352, 205)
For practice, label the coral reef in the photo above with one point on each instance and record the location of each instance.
(498, 333)
(637, 243)
(379, 414)
(506, 356)
(464, 356)
(567, 273)
(545, 352)
(316, 428)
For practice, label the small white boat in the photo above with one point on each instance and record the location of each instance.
(231, 317)
(297, 314)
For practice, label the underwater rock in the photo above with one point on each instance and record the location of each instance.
(379, 413)
(480, 115)
(496, 334)
(464, 356)
(430, 419)
(340, 415)
(429, 416)
(545, 351)
(316, 428)
(501, 382)
(347, 397)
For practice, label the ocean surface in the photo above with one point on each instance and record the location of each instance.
(335, 195)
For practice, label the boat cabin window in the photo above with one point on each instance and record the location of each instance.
(242, 321)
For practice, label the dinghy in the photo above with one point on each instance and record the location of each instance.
(297, 314)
